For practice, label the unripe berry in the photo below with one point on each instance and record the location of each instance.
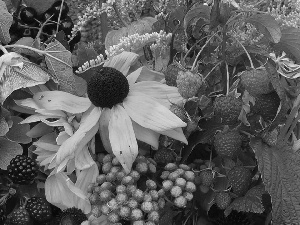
(167, 185)
(130, 189)
(107, 158)
(188, 195)
(164, 175)
(113, 204)
(110, 177)
(138, 195)
(105, 195)
(96, 210)
(136, 214)
(171, 167)
(179, 171)
(142, 167)
(150, 223)
(141, 158)
(153, 216)
(147, 197)
(161, 203)
(139, 222)
(189, 175)
(184, 167)
(121, 198)
(127, 180)
(121, 188)
(105, 209)
(132, 203)
(153, 194)
(151, 184)
(147, 207)
(115, 169)
(90, 188)
(120, 175)
(155, 206)
(106, 167)
(100, 179)
(190, 186)
(107, 186)
(173, 176)
(94, 199)
(152, 168)
(98, 189)
(124, 212)
(113, 217)
(161, 193)
(180, 182)
(115, 161)
(176, 191)
(135, 175)
(180, 202)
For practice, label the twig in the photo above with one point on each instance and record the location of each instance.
(3, 49)
(59, 16)
(192, 48)
(119, 15)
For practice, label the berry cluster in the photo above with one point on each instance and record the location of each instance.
(178, 183)
(116, 194)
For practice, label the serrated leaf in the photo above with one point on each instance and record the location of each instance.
(251, 202)
(290, 42)
(267, 25)
(280, 170)
(39, 5)
(17, 132)
(61, 66)
(8, 150)
(18, 73)
(6, 20)
(202, 11)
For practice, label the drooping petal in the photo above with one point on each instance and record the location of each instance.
(59, 100)
(36, 118)
(146, 135)
(28, 103)
(132, 77)
(122, 62)
(163, 93)
(176, 134)
(83, 159)
(51, 112)
(62, 137)
(122, 137)
(148, 113)
(61, 122)
(87, 129)
(144, 74)
(103, 129)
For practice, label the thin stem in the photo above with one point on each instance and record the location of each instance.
(119, 15)
(59, 16)
(3, 49)
(251, 63)
(192, 48)
(198, 55)
(227, 79)
(212, 70)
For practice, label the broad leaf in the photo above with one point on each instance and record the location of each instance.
(17, 132)
(27, 41)
(280, 170)
(6, 20)
(60, 64)
(251, 202)
(17, 72)
(3, 126)
(39, 5)
(8, 150)
(202, 11)
(267, 25)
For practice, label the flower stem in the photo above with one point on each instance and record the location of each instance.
(251, 62)
(59, 16)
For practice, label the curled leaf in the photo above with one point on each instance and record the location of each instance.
(6, 20)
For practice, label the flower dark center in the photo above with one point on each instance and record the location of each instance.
(107, 87)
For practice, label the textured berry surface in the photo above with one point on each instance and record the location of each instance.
(188, 83)
(228, 143)
(171, 74)
(22, 169)
(72, 216)
(228, 108)
(256, 82)
(20, 216)
(39, 209)
(180, 112)
(239, 178)
(164, 156)
(222, 199)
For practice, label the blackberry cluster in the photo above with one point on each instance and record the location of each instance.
(178, 183)
(27, 23)
(116, 194)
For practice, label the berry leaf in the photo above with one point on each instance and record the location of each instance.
(39, 5)
(8, 150)
(280, 169)
(202, 11)
(251, 202)
(6, 20)
(16, 72)
(267, 25)
(17, 132)
(60, 64)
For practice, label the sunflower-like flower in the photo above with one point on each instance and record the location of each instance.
(120, 108)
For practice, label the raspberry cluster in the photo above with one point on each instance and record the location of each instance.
(116, 194)
(178, 183)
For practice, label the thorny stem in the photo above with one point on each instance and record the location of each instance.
(251, 62)
(198, 55)
(119, 15)
(59, 16)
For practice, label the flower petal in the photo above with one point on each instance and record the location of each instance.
(28, 103)
(61, 122)
(62, 137)
(39, 130)
(163, 93)
(87, 129)
(103, 129)
(146, 135)
(83, 159)
(122, 138)
(59, 100)
(176, 133)
(122, 62)
(36, 118)
(148, 113)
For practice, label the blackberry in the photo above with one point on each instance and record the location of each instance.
(72, 216)
(2, 214)
(20, 216)
(39, 209)
(22, 169)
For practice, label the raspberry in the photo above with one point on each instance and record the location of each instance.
(190, 186)
(115, 162)
(124, 212)
(136, 214)
(107, 158)
(132, 203)
(39, 209)
(240, 179)
(113, 204)
(176, 191)
(207, 177)
(188, 195)
(106, 167)
(151, 184)
(130, 189)
(173, 176)
(153, 216)
(147, 197)
(105, 209)
(180, 182)
(179, 171)
(147, 207)
(142, 167)
(135, 175)
(171, 74)
(94, 198)
(121, 188)
(120, 175)
(22, 169)
(20, 216)
(153, 194)
(152, 168)
(184, 167)
(127, 180)
(105, 195)
(113, 217)
(121, 197)
(189, 83)
(228, 143)
(96, 210)
(164, 175)
(180, 202)
(171, 167)
(100, 179)
(223, 199)
(138, 195)
(110, 177)
(189, 175)
(167, 185)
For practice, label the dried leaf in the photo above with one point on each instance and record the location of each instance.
(60, 64)
(8, 150)
(267, 25)
(280, 170)
(6, 20)
(17, 132)
(251, 202)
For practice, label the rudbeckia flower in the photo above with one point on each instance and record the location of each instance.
(122, 109)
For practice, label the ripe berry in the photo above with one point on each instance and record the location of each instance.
(228, 143)
(206, 177)
(151, 184)
(22, 169)
(39, 209)
(28, 15)
(239, 178)
(189, 83)
(20, 216)
(171, 167)
(188, 195)
(180, 202)
(113, 217)
(222, 199)
(167, 185)
(171, 74)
